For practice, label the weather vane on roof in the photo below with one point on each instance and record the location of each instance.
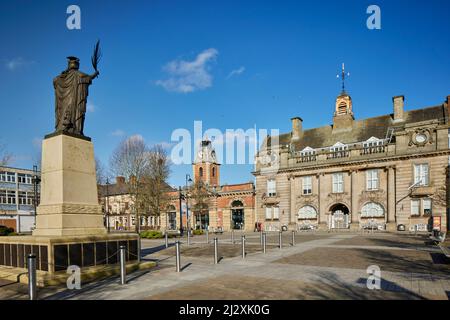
(343, 75)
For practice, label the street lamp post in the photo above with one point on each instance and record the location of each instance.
(107, 206)
(188, 180)
(181, 212)
(36, 180)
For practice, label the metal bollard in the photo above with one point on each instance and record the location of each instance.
(32, 277)
(293, 237)
(123, 267)
(207, 236)
(232, 236)
(177, 256)
(167, 239)
(280, 244)
(216, 251)
(261, 237)
(189, 237)
(264, 241)
(243, 247)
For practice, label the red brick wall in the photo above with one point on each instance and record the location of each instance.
(10, 223)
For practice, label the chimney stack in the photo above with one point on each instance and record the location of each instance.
(399, 104)
(120, 180)
(296, 128)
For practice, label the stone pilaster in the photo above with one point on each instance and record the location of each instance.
(354, 198)
(390, 216)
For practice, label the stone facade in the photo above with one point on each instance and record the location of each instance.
(379, 172)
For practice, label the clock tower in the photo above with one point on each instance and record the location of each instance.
(205, 167)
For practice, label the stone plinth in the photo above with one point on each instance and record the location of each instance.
(69, 200)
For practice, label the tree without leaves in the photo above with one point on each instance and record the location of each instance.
(5, 157)
(130, 160)
(100, 171)
(200, 197)
(155, 190)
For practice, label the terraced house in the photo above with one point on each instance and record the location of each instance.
(387, 172)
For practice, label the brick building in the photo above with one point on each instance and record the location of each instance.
(379, 172)
(226, 206)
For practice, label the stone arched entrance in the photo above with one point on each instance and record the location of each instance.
(237, 215)
(339, 216)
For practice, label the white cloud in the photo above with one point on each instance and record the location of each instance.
(90, 107)
(189, 76)
(236, 72)
(118, 133)
(15, 63)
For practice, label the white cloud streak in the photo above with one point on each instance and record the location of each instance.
(236, 72)
(189, 76)
(16, 63)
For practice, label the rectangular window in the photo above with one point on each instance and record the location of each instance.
(372, 179)
(338, 182)
(307, 185)
(421, 174)
(415, 207)
(10, 177)
(271, 188)
(268, 213)
(22, 197)
(24, 178)
(276, 213)
(2, 176)
(426, 206)
(3, 198)
(11, 197)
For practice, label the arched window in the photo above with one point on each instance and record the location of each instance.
(237, 203)
(372, 209)
(200, 172)
(213, 172)
(307, 212)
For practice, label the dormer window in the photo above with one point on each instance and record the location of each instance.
(308, 154)
(338, 150)
(373, 145)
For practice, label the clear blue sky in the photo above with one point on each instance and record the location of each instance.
(285, 56)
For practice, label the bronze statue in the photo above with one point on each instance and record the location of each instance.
(71, 92)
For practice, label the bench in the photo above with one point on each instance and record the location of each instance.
(438, 236)
(445, 250)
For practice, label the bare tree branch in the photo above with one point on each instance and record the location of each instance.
(5, 157)
(130, 159)
(155, 181)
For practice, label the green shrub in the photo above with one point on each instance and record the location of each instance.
(152, 234)
(5, 231)
(198, 232)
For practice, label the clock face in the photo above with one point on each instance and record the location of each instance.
(421, 138)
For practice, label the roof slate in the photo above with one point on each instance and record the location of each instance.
(361, 130)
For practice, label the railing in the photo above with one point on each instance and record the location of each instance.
(374, 149)
(307, 158)
(338, 154)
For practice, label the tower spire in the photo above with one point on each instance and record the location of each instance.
(343, 75)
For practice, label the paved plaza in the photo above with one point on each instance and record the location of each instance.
(320, 266)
